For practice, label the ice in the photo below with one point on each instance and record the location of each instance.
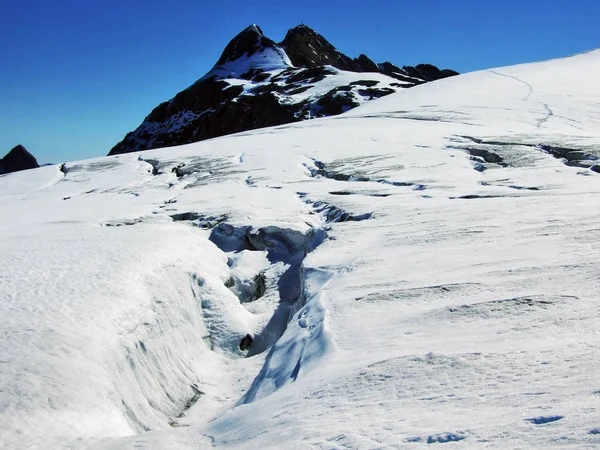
(459, 306)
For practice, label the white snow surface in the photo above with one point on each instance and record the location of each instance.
(462, 309)
(266, 59)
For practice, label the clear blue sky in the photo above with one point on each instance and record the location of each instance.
(76, 75)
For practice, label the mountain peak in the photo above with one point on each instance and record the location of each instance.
(17, 149)
(257, 83)
(248, 42)
(302, 30)
(255, 29)
(307, 48)
(18, 159)
(249, 50)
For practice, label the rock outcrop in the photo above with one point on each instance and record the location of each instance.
(17, 159)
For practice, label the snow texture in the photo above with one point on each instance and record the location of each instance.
(421, 270)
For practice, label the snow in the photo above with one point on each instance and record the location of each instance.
(269, 62)
(280, 79)
(266, 59)
(414, 294)
(344, 78)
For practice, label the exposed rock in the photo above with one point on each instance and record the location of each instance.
(307, 48)
(365, 83)
(258, 83)
(336, 102)
(420, 74)
(260, 285)
(428, 72)
(18, 159)
(396, 72)
(366, 64)
(246, 43)
(373, 93)
(246, 342)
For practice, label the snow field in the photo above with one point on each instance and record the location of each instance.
(420, 270)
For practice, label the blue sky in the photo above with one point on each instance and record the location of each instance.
(77, 76)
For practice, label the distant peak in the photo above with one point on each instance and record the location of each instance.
(248, 53)
(307, 48)
(246, 43)
(19, 152)
(253, 29)
(301, 31)
(300, 27)
(18, 159)
(18, 149)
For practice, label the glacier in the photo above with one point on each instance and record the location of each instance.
(422, 269)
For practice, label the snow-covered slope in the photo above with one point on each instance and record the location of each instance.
(423, 269)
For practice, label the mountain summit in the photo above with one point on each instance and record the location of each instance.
(250, 49)
(17, 159)
(307, 48)
(258, 83)
(247, 43)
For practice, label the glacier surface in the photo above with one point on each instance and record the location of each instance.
(420, 270)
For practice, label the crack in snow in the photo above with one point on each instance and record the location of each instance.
(320, 169)
(529, 86)
(549, 112)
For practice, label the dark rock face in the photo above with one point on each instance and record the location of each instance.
(428, 72)
(18, 159)
(247, 42)
(307, 48)
(419, 74)
(260, 286)
(336, 101)
(366, 64)
(259, 83)
(246, 343)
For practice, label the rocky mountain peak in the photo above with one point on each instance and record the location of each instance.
(18, 159)
(248, 42)
(307, 48)
(249, 52)
(258, 83)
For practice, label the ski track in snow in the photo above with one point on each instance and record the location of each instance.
(338, 283)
